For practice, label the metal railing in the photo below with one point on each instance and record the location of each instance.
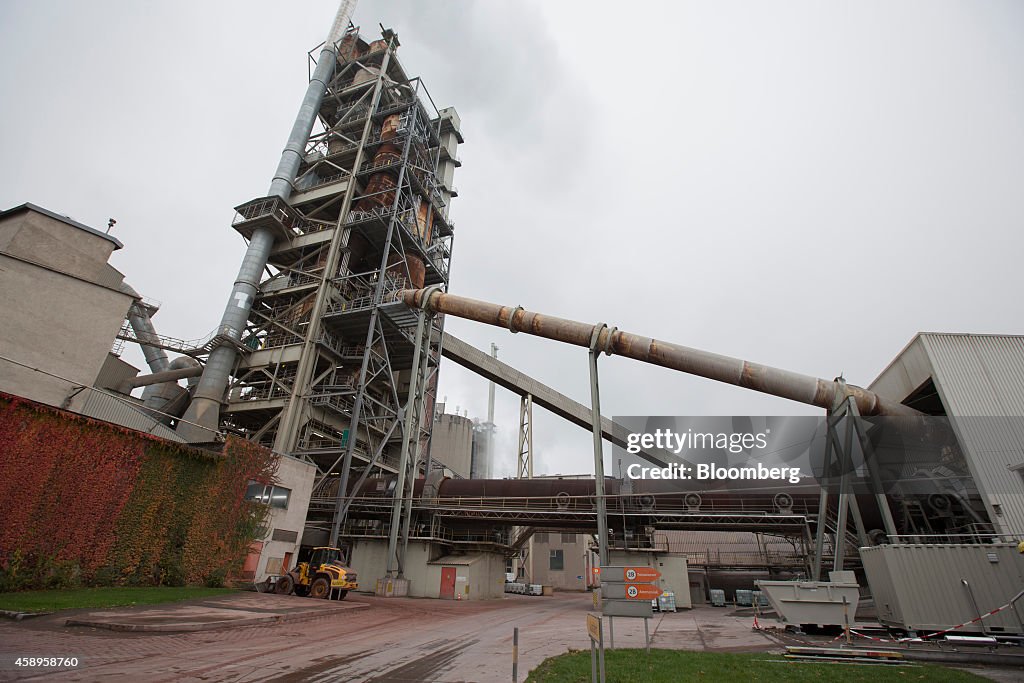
(184, 346)
(290, 220)
(762, 506)
(392, 285)
(968, 538)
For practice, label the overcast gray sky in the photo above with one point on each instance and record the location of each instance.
(802, 184)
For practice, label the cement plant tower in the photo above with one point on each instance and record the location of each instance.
(314, 357)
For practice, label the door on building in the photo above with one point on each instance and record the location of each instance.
(252, 561)
(448, 583)
(287, 563)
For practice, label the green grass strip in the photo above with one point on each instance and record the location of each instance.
(53, 600)
(672, 666)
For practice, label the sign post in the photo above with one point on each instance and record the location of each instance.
(596, 633)
(628, 592)
(515, 655)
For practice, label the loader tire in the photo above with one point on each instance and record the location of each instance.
(321, 588)
(284, 585)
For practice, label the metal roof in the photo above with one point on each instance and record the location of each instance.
(983, 376)
(28, 206)
(979, 379)
(100, 405)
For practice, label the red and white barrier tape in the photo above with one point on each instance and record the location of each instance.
(918, 638)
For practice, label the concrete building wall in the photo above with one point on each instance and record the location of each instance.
(53, 243)
(60, 302)
(452, 442)
(57, 323)
(368, 559)
(62, 305)
(284, 525)
(573, 547)
(478, 576)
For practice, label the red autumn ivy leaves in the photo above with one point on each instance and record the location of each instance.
(119, 506)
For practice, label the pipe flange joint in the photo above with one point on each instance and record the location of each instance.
(427, 293)
(608, 340)
(511, 320)
(596, 335)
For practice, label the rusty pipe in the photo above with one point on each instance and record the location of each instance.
(792, 385)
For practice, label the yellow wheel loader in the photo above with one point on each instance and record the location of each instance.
(324, 573)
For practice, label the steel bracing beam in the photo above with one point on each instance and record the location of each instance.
(506, 376)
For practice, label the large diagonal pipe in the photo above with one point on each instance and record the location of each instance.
(203, 415)
(792, 385)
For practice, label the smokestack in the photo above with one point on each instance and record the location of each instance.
(490, 390)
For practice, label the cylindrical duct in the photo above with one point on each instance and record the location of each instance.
(357, 246)
(792, 385)
(142, 325)
(424, 221)
(380, 191)
(204, 411)
(387, 154)
(417, 270)
(160, 397)
(389, 128)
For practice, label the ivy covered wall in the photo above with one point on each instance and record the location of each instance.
(84, 502)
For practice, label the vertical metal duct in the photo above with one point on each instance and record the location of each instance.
(205, 407)
(142, 325)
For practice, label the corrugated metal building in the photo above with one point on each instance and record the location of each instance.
(978, 381)
(732, 549)
(933, 587)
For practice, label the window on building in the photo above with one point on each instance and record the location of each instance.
(568, 538)
(541, 537)
(557, 561)
(274, 496)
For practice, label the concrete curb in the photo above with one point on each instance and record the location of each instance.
(187, 627)
(18, 616)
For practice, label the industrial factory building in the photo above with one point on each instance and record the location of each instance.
(67, 358)
(969, 378)
(975, 381)
(314, 357)
(329, 349)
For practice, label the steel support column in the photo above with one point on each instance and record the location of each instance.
(595, 406)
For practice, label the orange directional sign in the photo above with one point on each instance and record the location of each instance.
(640, 574)
(642, 591)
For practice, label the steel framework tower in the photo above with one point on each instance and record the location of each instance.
(315, 357)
